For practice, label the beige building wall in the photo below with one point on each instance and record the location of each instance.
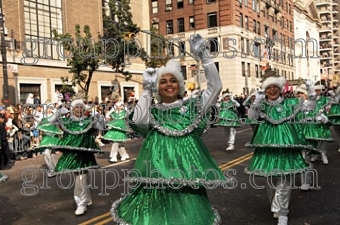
(46, 73)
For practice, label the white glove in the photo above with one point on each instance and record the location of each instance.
(259, 96)
(310, 89)
(308, 83)
(199, 48)
(331, 92)
(149, 79)
(322, 118)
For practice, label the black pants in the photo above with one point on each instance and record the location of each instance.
(3, 153)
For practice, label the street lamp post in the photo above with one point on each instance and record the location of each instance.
(4, 56)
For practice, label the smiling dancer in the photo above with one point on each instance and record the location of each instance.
(172, 149)
(276, 155)
(78, 146)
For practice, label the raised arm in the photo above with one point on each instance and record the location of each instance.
(214, 84)
(141, 111)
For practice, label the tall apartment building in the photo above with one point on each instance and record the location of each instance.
(29, 25)
(237, 32)
(329, 40)
(307, 27)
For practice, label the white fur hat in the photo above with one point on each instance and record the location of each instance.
(319, 87)
(78, 102)
(301, 88)
(226, 94)
(172, 67)
(271, 78)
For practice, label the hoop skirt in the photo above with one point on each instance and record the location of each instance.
(278, 141)
(227, 116)
(117, 128)
(77, 145)
(50, 137)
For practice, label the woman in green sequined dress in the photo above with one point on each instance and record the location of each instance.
(278, 142)
(117, 132)
(228, 118)
(170, 174)
(50, 138)
(78, 147)
(334, 112)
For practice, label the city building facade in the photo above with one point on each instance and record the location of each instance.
(237, 31)
(36, 62)
(329, 40)
(307, 27)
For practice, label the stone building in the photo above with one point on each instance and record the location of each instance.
(36, 66)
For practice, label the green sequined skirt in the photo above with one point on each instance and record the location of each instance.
(115, 135)
(75, 161)
(47, 142)
(166, 206)
(276, 161)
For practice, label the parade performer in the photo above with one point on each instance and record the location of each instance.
(50, 138)
(312, 125)
(247, 103)
(117, 132)
(78, 147)
(228, 118)
(322, 129)
(172, 148)
(334, 112)
(278, 143)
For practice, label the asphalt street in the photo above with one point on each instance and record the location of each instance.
(29, 197)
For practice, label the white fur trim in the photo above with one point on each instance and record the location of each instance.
(302, 88)
(226, 94)
(278, 81)
(172, 67)
(319, 87)
(78, 102)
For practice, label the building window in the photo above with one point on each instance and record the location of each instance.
(154, 5)
(212, 20)
(266, 30)
(242, 45)
(192, 22)
(180, 24)
(241, 19)
(248, 69)
(169, 27)
(245, 2)
(191, 2)
(257, 71)
(155, 25)
(254, 5)
(213, 44)
(25, 89)
(258, 28)
(243, 69)
(184, 72)
(171, 50)
(180, 4)
(246, 22)
(257, 50)
(40, 18)
(168, 5)
(254, 26)
(247, 46)
(211, 1)
(181, 45)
